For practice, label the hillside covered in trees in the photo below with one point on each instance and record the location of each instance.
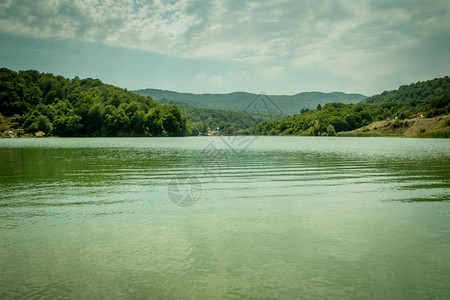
(430, 99)
(83, 107)
(238, 101)
(422, 90)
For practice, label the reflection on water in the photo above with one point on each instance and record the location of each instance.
(287, 217)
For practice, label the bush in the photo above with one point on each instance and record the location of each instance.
(397, 124)
(439, 134)
(359, 134)
(19, 133)
(43, 124)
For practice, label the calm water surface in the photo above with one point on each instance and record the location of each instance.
(274, 217)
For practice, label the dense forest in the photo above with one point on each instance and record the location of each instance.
(83, 107)
(201, 120)
(422, 90)
(238, 101)
(430, 99)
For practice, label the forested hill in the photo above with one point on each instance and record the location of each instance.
(238, 101)
(421, 90)
(83, 107)
(428, 99)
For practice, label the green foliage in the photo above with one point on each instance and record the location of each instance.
(68, 125)
(43, 124)
(83, 107)
(422, 90)
(19, 133)
(439, 106)
(330, 130)
(359, 134)
(439, 134)
(31, 121)
(397, 124)
(201, 120)
(137, 122)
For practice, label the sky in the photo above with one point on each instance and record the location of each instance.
(275, 47)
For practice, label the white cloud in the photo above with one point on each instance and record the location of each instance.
(336, 36)
(273, 72)
(210, 81)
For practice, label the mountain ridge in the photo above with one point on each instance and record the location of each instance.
(238, 101)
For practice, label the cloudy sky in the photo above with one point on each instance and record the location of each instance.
(276, 47)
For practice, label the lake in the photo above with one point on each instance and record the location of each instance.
(225, 217)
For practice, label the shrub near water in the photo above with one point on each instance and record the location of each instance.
(439, 134)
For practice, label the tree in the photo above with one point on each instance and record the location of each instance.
(30, 122)
(173, 122)
(43, 124)
(153, 122)
(351, 122)
(95, 120)
(116, 123)
(130, 108)
(137, 122)
(331, 131)
(67, 125)
(339, 124)
(304, 110)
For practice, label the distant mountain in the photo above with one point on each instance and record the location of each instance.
(238, 101)
(422, 90)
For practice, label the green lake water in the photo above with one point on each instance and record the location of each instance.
(214, 218)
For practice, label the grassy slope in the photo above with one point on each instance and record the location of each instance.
(414, 127)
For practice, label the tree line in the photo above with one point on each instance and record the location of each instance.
(83, 107)
(87, 107)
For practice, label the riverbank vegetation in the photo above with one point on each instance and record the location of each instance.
(82, 107)
(34, 103)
